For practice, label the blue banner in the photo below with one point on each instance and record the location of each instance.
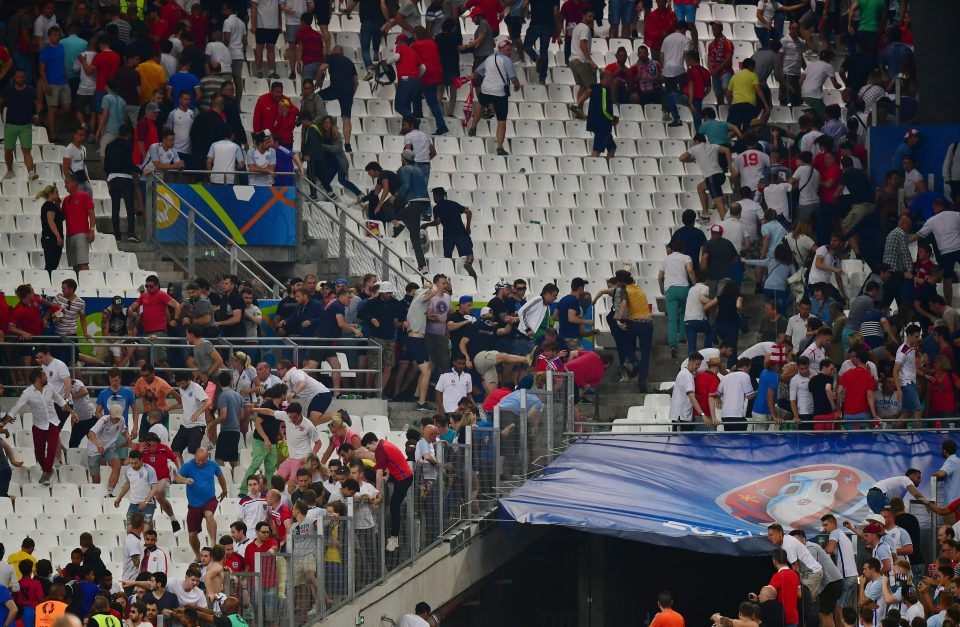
(929, 154)
(248, 215)
(716, 493)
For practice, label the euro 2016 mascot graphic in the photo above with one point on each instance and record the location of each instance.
(798, 498)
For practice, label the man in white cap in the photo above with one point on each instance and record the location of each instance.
(496, 71)
(383, 315)
(911, 139)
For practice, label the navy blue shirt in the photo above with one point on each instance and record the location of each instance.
(20, 104)
(692, 238)
(568, 330)
(342, 71)
(294, 322)
(449, 212)
(482, 334)
(328, 321)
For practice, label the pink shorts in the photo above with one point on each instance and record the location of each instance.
(288, 469)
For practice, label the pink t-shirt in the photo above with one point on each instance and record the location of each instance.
(337, 442)
(154, 311)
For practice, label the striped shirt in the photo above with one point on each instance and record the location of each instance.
(71, 311)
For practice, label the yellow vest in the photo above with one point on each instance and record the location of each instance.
(123, 8)
(637, 302)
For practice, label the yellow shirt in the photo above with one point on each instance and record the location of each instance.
(743, 87)
(15, 559)
(638, 307)
(152, 76)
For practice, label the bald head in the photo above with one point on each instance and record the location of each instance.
(201, 456)
(67, 620)
(273, 497)
(230, 606)
(767, 593)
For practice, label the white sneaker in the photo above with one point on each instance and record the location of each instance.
(9, 175)
(392, 544)
(33, 175)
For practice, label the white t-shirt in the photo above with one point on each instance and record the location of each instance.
(848, 365)
(262, 160)
(453, 387)
(910, 180)
(42, 24)
(675, 270)
(107, 433)
(219, 54)
(796, 329)
(268, 13)
(674, 46)
(581, 32)
(733, 232)
(497, 70)
(777, 197)
(180, 122)
(420, 142)
(694, 309)
(194, 596)
(945, 227)
(750, 214)
(226, 155)
(88, 82)
(706, 156)
(751, 164)
(680, 406)
(300, 438)
(706, 353)
(77, 157)
(734, 390)
(83, 405)
(412, 620)
(158, 154)
(299, 8)
(423, 448)
(132, 547)
(808, 143)
(140, 482)
(907, 358)
(808, 182)
(846, 558)
(894, 486)
(295, 377)
(757, 350)
(192, 398)
(800, 392)
(767, 8)
(56, 372)
(815, 354)
(817, 275)
(362, 512)
(237, 29)
(161, 432)
(817, 73)
(798, 552)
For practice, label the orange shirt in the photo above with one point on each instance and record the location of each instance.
(668, 618)
(48, 612)
(159, 388)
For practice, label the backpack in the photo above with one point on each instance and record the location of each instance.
(383, 74)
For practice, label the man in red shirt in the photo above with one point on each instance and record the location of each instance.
(171, 13)
(787, 584)
(856, 389)
(692, 94)
(81, 224)
(281, 518)
(490, 10)
(154, 304)
(158, 455)
(105, 64)
(706, 383)
(430, 81)
(264, 543)
(408, 64)
(309, 44)
(720, 61)
(572, 14)
(265, 111)
(232, 560)
(588, 368)
(657, 24)
(390, 459)
(620, 72)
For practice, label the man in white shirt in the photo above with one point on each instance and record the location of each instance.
(672, 54)
(807, 181)
(581, 60)
(133, 546)
(309, 392)
(684, 406)
(102, 446)
(42, 400)
(303, 439)
(252, 508)
(896, 537)
(157, 560)
(58, 375)
(735, 389)
(419, 142)
(707, 156)
(944, 225)
(751, 164)
(811, 83)
(879, 495)
(162, 156)
(140, 487)
(733, 228)
(219, 57)
(905, 373)
(195, 403)
(777, 197)
(840, 547)
(811, 572)
(497, 71)
(454, 385)
(826, 266)
(421, 613)
(801, 401)
(225, 157)
(180, 121)
(797, 324)
(817, 350)
(791, 53)
(235, 38)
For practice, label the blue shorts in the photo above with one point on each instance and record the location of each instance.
(603, 140)
(462, 243)
(320, 403)
(685, 12)
(147, 512)
(911, 400)
(98, 101)
(417, 347)
(622, 11)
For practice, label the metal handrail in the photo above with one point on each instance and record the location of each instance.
(345, 216)
(264, 275)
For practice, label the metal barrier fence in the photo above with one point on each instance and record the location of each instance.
(169, 355)
(883, 425)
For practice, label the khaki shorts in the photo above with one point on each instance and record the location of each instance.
(486, 364)
(163, 487)
(387, 353)
(857, 212)
(78, 249)
(583, 73)
(59, 95)
(302, 566)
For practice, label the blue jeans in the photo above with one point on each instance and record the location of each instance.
(674, 99)
(408, 98)
(694, 328)
(854, 423)
(541, 35)
(433, 102)
(781, 297)
(369, 40)
(720, 84)
(644, 332)
(676, 298)
(877, 500)
(686, 12)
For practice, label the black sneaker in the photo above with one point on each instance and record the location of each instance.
(293, 76)
(347, 148)
(345, 417)
(175, 525)
(472, 132)
(675, 124)
(397, 230)
(428, 406)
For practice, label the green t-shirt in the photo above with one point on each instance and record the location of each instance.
(870, 14)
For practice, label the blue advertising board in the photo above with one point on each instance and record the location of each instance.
(716, 493)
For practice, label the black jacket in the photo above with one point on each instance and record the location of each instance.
(116, 158)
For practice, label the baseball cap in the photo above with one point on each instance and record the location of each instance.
(386, 286)
(152, 106)
(475, 12)
(402, 39)
(341, 282)
(504, 42)
(911, 133)
(408, 154)
(500, 286)
(118, 301)
(466, 299)
(877, 518)
(874, 529)
(577, 283)
(716, 228)
(485, 311)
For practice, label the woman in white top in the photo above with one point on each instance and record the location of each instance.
(800, 241)
(675, 279)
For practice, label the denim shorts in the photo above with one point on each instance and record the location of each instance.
(685, 12)
(148, 512)
(94, 461)
(911, 400)
(622, 11)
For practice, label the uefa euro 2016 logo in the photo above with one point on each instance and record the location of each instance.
(798, 498)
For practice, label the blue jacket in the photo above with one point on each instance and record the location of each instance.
(294, 322)
(600, 113)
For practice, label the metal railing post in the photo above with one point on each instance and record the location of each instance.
(413, 535)
(291, 605)
(150, 210)
(468, 472)
(524, 434)
(258, 565)
(344, 262)
(496, 450)
(550, 416)
(192, 242)
(233, 259)
(321, 545)
(385, 266)
(441, 479)
(351, 552)
(382, 535)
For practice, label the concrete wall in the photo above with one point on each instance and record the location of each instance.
(436, 577)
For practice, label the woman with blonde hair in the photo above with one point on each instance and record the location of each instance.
(244, 380)
(341, 434)
(51, 225)
(801, 242)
